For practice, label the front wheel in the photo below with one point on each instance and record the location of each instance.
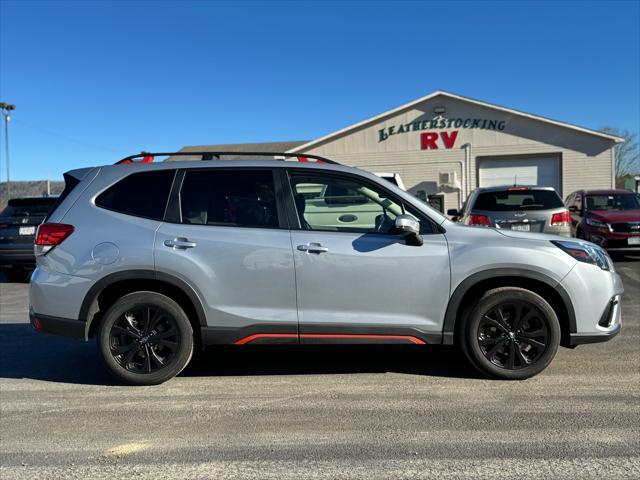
(510, 333)
(145, 338)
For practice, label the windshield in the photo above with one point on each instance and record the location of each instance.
(620, 201)
(28, 206)
(518, 199)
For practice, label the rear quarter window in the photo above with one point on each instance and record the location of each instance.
(142, 194)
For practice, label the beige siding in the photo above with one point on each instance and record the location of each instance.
(586, 159)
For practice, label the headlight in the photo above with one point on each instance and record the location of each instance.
(586, 253)
(596, 223)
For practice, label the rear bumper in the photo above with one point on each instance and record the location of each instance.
(17, 256)
(63, 327)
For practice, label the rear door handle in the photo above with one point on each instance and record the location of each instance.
(313, 248)
(179, 243)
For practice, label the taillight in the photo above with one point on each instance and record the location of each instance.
(481, 220)
(50, 235)
(562, 219)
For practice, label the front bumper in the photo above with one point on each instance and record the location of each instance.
(596, 297)
(612, 240)
(610, 322)
(64, 327)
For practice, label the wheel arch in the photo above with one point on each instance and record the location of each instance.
(111, 287)
(473, 286)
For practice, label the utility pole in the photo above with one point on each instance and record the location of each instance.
(6, 112)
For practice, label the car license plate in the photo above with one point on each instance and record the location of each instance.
(634, 240)
(27, 230)
(521, 227)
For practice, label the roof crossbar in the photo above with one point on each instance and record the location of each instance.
(148, 157)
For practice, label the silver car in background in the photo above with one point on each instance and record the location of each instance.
(517, 207)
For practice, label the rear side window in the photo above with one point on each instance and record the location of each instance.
(141, 194)
(512, 200)
(240, 198)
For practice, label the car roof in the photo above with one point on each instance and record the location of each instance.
(611, 191)
(501, 188)
(204, 164)
(33, 198)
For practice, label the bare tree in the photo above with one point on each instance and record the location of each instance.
(627, 153)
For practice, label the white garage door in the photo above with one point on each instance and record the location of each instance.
(542, 171)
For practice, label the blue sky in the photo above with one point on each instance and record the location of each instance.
(95, 81)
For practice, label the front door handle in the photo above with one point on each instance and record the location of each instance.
(313, 248)
(179, 243)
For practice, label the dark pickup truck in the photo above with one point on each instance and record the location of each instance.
(18, 223)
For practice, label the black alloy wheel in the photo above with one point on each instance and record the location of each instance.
(144, 339)
(513, 335)
(509, 333)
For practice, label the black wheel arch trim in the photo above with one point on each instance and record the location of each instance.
(88, 307)
(455, 302)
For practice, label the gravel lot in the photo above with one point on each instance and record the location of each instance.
(322, 412)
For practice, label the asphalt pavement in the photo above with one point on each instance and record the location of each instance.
(321, 412)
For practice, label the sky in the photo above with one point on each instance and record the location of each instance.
(95, 81)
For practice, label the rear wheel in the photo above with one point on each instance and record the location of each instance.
(145, 338)
(510, 333)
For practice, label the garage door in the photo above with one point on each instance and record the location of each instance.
(542, 171)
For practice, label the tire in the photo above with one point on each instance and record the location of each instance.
(510, 333)
(145, 338)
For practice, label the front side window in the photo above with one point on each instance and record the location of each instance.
(613, 202)
(234, 198)
(340, 204)
(142, 194)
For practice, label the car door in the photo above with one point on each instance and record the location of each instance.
(228, 238)
(356, 281)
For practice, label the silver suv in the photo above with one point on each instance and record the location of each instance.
(517, 207)
(157, 259)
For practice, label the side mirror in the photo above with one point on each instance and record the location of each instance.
(409, 227)
(452, 212)
(573, 209)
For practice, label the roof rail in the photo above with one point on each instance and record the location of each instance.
(148, 157)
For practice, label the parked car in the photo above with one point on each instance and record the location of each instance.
(158, 259)
(518, 208)
(18, 222)
(609, 218)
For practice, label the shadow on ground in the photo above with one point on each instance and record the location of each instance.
(25, 353)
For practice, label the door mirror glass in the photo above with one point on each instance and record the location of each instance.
(408, 226)
(573, 209)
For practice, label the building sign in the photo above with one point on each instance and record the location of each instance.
(441, 123)
(429, 140)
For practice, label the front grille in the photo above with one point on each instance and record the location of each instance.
(626, 227)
